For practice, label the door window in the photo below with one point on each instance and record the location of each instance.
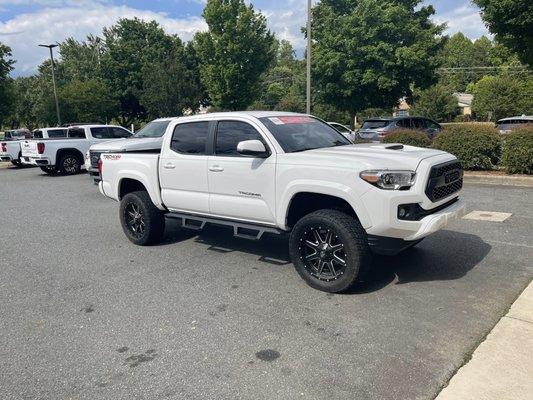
(419, 123)
(190, 138)
(404, 123)
(230, 133)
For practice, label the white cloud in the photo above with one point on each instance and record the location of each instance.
(465, 19)
(49, 25)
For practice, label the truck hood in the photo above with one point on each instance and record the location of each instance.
(365, 156)
(131, 144)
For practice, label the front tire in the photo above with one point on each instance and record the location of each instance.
(329, 250)
(142, 222)
(69, 164)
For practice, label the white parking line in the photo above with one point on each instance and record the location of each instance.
(491, 216)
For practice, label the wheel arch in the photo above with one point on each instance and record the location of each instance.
(70, 150)
(306, 200)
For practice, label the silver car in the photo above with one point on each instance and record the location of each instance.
(376, 129)
(506, 125)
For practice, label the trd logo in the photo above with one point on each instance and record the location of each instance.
(111, 156)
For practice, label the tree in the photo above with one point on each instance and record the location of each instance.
(6, 83)
(88, 101)
(436, 103)
(502, 96)
(512, 24)
(171, 85)
(369, 53)
(233, 53)
(133, 46)
(82, 60)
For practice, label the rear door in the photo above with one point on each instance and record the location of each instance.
(183, 168)
(240, 186)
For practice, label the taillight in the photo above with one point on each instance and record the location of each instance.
(4, 147)
(100, 167)
(40, 148)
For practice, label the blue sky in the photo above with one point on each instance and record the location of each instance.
(24, 23)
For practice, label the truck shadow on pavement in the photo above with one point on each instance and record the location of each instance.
(446, 255)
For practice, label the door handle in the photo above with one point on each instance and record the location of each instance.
(169, 166)
(216, 168)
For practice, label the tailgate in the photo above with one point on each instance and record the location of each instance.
(29, 148)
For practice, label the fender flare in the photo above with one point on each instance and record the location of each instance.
(322, 187)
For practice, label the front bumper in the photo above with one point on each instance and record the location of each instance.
(387, 245)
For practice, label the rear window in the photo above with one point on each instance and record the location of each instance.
(37, 134)
(190, 138)
(76, 133)
(375, 124)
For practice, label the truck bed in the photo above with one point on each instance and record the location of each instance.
(141, 165)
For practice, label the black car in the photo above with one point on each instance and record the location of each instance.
(377, 128)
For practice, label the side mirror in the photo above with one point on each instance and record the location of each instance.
(252, 148)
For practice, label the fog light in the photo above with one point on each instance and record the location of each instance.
(402, 212)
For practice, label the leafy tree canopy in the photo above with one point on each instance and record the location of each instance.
(502, 96)
(6, 90)
(233, 53)
(511, 21)
(436, 103)
(369, 53)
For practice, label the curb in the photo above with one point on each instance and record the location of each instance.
(503, 180)
(501, 366)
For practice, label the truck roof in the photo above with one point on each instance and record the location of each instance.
(255, 114)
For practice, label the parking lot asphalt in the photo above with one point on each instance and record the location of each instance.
(85, 314)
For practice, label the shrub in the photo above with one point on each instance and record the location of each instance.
(517, 155)
(409, 137)
(477, 146)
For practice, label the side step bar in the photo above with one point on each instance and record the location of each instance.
(241, 230)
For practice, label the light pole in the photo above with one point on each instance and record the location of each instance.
(50, 47)
(308, 105)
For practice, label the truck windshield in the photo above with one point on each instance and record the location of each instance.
(299, 133)
(153, 129)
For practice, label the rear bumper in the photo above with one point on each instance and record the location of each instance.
(38, 161)
(6, 158)
(93, 174)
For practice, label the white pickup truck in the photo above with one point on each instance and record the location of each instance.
(149, 138)
(66, 155)
(10, 151)
(273, 172)
(10, 146)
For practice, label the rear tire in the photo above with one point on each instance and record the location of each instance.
(69, 164)
(142, 222)
(49, 170)
(16, 163)
(329, 250)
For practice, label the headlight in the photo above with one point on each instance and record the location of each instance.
(389, 180)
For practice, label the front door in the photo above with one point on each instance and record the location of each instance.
(183, 169)
(241, 187)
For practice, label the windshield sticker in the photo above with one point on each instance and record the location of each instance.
(298, 119)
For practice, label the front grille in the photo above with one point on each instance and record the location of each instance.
(444, 180)
(95, 157)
